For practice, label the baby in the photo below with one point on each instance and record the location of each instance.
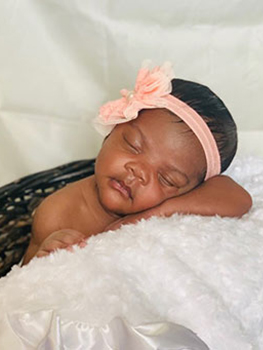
(166, 144)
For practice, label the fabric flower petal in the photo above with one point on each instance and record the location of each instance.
(151, 85)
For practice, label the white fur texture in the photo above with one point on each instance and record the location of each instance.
(205, 273)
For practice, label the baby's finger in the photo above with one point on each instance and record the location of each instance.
(82, 244)
(73, 233)
(52, 245)
(42, 253)
(69, 240)
(68, 236)
(69, 248)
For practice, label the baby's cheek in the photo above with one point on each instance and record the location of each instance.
(151, 198)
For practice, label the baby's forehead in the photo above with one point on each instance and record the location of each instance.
(161, 121)
(158, 116)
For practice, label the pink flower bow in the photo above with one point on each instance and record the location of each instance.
(150, 88)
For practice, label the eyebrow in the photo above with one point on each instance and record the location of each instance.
(172, 167)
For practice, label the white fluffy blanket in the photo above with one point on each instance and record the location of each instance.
(205, 273)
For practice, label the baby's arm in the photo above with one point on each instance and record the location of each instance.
(219, 195)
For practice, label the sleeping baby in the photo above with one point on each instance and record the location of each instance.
(166, 144)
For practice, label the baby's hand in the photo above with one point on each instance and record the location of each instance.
(63, 239)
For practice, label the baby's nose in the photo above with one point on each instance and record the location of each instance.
(139, 171)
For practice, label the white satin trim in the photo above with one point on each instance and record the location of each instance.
(44, 330)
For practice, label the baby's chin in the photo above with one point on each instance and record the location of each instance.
(118, 212)
(115, 208)
(118, 209)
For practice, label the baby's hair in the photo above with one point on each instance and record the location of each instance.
(214, 112)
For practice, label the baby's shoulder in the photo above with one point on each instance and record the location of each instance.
(65, 208)
(67, 197)
(72, 201)
(75, 190)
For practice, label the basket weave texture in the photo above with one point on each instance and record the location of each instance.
(20, 198)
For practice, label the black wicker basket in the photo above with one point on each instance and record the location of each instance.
(18, 201)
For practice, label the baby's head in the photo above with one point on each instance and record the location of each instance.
(161, 144)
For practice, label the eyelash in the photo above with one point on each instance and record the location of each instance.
(135, 149)
(166, 182)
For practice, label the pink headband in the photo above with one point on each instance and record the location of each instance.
(152, 90)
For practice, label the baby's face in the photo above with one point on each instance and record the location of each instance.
(146, 161)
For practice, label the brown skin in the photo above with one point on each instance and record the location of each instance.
(149, 166)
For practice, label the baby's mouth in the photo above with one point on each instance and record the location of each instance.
(120, 186)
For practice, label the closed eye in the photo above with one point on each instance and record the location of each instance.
(166, 181)
(133, 147)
